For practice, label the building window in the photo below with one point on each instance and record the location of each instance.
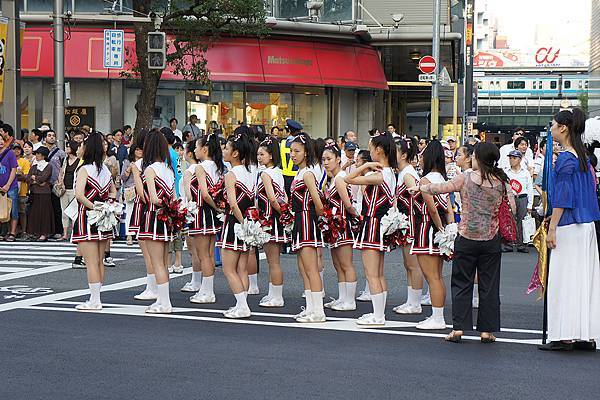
(333, 10)
(567, 84)
(91, 6)
(552, 84)
(516, 85)
(35, 6)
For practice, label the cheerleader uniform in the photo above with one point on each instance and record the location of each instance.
(278, 234)
(423, 228)
(244, 193)
(332, 196)
(404, 198)
(377, 200)
(136, 212)
(305, 232)
(206, 222)
(150, 227)
(97, 188)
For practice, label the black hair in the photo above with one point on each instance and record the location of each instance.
(140, 138)
(169, 135)
(271, 145)
(38, 133)
(309, 148)
(125, 127)
(433, 158)
(542, 143)
(518, 129)
(372, 131)
(408, 146)
(319, 144)
(8, 129)
(258, 132)
(365, 155)
(273, 128)
(575, 120)
(94, 150)
(468, 148)
(187, 136)
(73, 146)
(487, 156)
(173, 119)
(519, 140)
(115, 131)
(27, 142)
(332, 148)
(385, 141)
(392, 125)
(242, 143)
(213, 143)
(156, 149)
(190, 147)
(131, 154)
(177, 145)
(110, 151)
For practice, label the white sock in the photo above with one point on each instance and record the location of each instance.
(385, 292)
(253, 281)
(322, 281)
(378, 301)
(476, 291)
(270, 294)
(317, 302)
(196, 278)
(350, 292)
(342, 291)
(163, 294)
(437, 312)
(309, 301)
(207, 285)
(151, 283)
(367, 290)
(95, 292)
(414, 296)
(241, 300)
(277, 292)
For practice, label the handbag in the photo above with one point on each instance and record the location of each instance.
(129, 194)
(5, 207)
(528, 229)
(506, 222)
(58, 189)
(72, 209)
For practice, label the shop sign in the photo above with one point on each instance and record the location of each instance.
(3, 37)
(76, 117)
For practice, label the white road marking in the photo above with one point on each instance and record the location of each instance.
(36, 271)
(14, 269)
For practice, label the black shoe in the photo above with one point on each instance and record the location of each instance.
(507, 249)
(556, 346)
(522, 249)
(585, 346)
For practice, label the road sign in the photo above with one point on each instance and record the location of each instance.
(427, 64)
(471, 119)
(427, 77)
(445, 77)
(114, 43)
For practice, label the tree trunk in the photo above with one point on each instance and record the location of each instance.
(149, 78)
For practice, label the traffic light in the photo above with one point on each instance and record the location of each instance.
(157, 50)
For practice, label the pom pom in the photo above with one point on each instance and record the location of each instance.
(217, 192)
(286, 218)
(396, 228)
(251, 233)
(192, 212)
(445, 240)
(105, 215)
(331, 223)
(173, 214)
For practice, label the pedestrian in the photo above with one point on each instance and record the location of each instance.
(522, 187)
(239, 192)
(66, 180)
(173, 125)
(431, 214)
(55, 158)
(77, 136)
(192, 127)
(288, 169)
(127, 134)
(120, 149)
(129, 191)
(94, 184)
(40, 217)
(23, 167)
(364, 156)
(158, 180)
(573, 288)
(522, 145)
(9, 185)
(408, 177)
(510, 146)
(35, 137)
(379, 197)
(477, 246)
(270, 194)
(201, 180)
(422, 144)
(8, 134)
(113, 166)
(339, 199)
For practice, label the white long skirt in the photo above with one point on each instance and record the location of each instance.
(128, 213)
(574, 285)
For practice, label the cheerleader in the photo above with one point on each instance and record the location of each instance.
(321, 178)
(380, 181)
(158, 180)
(239, 187)
(270, 193)
(203, 233)
(338, 196)
(431, 214)
(306, 237)
(93, 183)
(408, 177)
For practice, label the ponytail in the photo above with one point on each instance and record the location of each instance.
(574, 119)
(385, 141)
(214, 150)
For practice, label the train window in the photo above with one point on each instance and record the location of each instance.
(567, 84)
(516, 85)
(580, 84)
(540, 85)
(586, 84)
(535, 86)
(480, 85)
(552, 84)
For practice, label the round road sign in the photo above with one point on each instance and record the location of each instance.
(427, 65)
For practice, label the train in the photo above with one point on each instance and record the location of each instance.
(536, 86)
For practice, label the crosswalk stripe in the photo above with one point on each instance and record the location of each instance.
(13, 269)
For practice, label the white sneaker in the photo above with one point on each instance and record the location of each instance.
(426, 299)
(364, 296)
(159, 309)
(237, 313)
(312, 318)
(475, 302)
(432, 324)
(344, 306)
(176, 269)
(367, 320)
(302, 314)
(191, 288)
(331, 303)
(271, 302)
(109, 262)
(203, 298)
(146, 295)
(408, 309)
(87, 306)
(253, 291)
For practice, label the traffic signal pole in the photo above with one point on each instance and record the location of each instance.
(435, 91)
(59, 73)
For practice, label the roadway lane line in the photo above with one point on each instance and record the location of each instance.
(14, 269)
(35, 271)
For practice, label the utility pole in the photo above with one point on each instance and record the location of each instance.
(59, 73)
(470, 100)
(11, 106)
(435, 89)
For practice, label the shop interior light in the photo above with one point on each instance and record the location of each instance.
(415, 56)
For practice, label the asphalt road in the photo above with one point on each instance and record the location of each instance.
(48, 350)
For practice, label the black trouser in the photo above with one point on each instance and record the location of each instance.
(483, 257)
(521, 203)
(57, 211)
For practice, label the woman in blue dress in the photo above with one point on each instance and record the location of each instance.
(574, 270)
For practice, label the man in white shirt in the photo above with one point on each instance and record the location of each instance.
(507, 148)
(173, 125)
(522, 186)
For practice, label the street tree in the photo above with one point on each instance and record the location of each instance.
(192, 27)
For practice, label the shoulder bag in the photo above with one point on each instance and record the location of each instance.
(506, 221)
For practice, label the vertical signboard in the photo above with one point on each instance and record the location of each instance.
(114, 43)
(3, 38)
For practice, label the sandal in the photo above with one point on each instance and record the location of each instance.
(454, 337)
(42, 239)
(488, 339)
(10, 237)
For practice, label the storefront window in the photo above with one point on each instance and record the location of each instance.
(44, 5)
(91, 6)
(268, 109)
(310, 109)
(333, 10)
(164, 110)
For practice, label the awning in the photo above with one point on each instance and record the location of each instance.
(230, 60)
